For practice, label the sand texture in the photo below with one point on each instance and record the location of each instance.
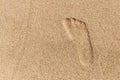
(59, 39)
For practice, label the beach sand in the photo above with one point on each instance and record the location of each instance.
(34, 44)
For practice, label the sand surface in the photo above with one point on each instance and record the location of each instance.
(34, 44)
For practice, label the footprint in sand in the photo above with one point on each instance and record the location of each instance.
(78, 33)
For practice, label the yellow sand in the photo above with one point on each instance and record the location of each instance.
(34, 46)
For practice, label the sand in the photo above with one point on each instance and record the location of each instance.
(34, 44)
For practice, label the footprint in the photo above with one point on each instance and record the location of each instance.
(78, 33)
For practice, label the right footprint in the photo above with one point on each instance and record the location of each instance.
(77, 32)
